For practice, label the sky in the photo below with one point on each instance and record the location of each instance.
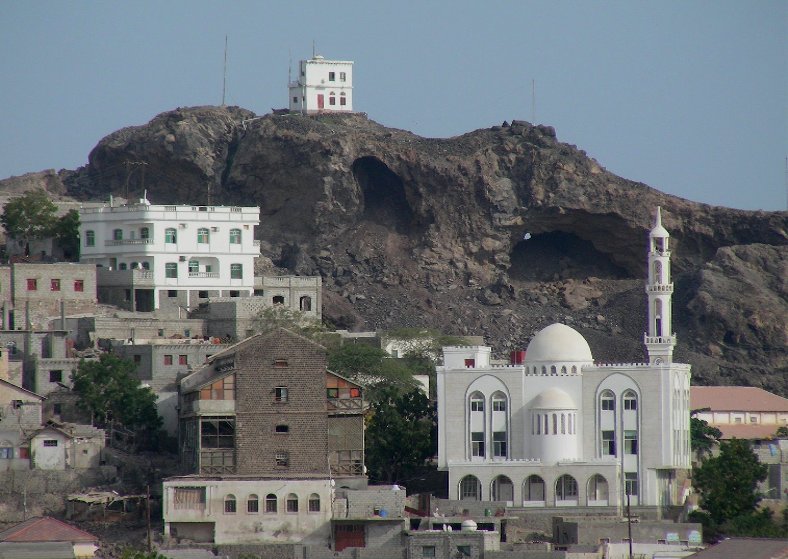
(690, 97)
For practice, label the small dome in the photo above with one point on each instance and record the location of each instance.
(553, 399)
(558, 343)
(468, 526)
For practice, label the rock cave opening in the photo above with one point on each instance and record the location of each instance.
(557, 255)
(385, 201)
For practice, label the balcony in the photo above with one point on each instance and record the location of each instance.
(119, 242)
(664, 288)
(660, 340)
(213, 406)
(214, 275)
(123, 278)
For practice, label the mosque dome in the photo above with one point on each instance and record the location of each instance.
(558, 343)
(553, 399)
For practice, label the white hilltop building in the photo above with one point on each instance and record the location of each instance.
(152, 256)
(556, 429)
(322, 86)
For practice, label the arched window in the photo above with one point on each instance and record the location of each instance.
(170, 235)
(630, 400)
(305, 303)
(574, 369)
(470, 489)
(658, 317)
(502, 489)
(342, 98)
(270, 503)
(563, 370)
(607, 401)
(292, 503)
(253, 504)
(90, 238)
(555, 424)
(134, 266)
(332, 98)
(597, 490)
(533, 489)
(229, 504)
(171, 270)
(544, 370)
(563, 424)
(203, 235)
(314, 502)
(566, 488)
(146, 265)
(657, 272)
(235, 236)
(476, 425)
(553, 370)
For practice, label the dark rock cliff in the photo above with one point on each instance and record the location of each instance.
(410, 231)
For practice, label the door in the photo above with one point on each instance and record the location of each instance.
(348, 535)
(320, 101)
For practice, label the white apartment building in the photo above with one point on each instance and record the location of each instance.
(554, 428)
(152, 256)
(322, 86)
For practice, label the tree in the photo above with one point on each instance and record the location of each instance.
(702, 436)
(400, 435)
(109, 391)
(782, 432)
(372, 367)
(66, 233)
(279, 316)
(728, 483)
(30, 216)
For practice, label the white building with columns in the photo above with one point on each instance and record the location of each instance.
(322, 86)
(152, 256)
(556, 428)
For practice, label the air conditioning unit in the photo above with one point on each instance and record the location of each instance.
(182, 258)
(214, 229)
(182, 225)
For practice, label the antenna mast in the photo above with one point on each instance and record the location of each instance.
(224, 81)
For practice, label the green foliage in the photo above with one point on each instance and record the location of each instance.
(758, 524)
(728, 483)
(131, 553)
(703, 437)
(278, 316)
(782, 432)
(108, 390)
(373, 368)
(400, 436)
(66, 233)
(30, 216)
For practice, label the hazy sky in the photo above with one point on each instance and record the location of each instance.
(690, 97)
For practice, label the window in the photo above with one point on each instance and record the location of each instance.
(314, 503)
(171, 270)
(631, 483)
(170, 235)
(630, 442)
(499, 404)
(428, 551)
(270, 503)
(236, 271)
(137, 359)
(217, 432)
(342, 100)
(282, 459)
(499, 444)
(608, 443)
(253, 504)
(229, 504)
(189, 498)
(292, 503)
(477, 443)
(144, 233)
(608, 401)
(282, 429)
(90, 238)
(146, 265)
(235, 236)
(168, 359)
(50, 443)
(203, 236)
(470, 363)
(566, 488)
(280, 363)
(183, 360)
(753, 419)
(332, 100)
(464, 550)
(202, 294)
(6, 453)
(332, 76)
(194, 267)
(630, 401)
(295, 99)
(278, 300)
(57, 409)
(280, 394)
(123, 266)
(55, 376)
(32, 284)
(79, 285)
(534, 489)
(54, 285)
(235, 293)
(342, 76)
(470, 489)
(172, 293)
(305, 303)
(477, 403)
(117, 234)
(222, 389)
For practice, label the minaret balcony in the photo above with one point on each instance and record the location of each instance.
(659, 288)
(667, 340)
(665, 253)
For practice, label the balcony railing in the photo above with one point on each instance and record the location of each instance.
(661, 288)
(214, 275)
(118, 242)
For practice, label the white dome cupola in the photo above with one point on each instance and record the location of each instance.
(558, 350)
(554, 426)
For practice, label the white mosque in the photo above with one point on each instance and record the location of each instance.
(556, 429)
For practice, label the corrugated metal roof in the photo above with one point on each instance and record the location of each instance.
(736, 398)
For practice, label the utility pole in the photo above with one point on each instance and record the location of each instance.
(147, 517)
(629, 526)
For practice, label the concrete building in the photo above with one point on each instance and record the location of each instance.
(322, 86)
(169, 256)
(744, 412)
(265, 413)
(556, 429)
(46, 537)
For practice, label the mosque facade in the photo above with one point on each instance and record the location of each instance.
(555, 428)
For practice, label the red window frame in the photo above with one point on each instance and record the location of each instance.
(168, 359)
(32, 284)
(79, 285)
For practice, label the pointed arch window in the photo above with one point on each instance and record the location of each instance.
(630, 401)
(607, 401)
(470, 489)
(657, 272)
(502, 489)
(566, 488)
(597, 490)
(533, 489)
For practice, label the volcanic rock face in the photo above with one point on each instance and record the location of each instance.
(497, 232)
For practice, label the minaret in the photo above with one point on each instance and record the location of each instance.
(659, 338)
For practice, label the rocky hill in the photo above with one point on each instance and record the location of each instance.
(412, 231)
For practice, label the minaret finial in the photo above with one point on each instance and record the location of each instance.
(658, 219)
